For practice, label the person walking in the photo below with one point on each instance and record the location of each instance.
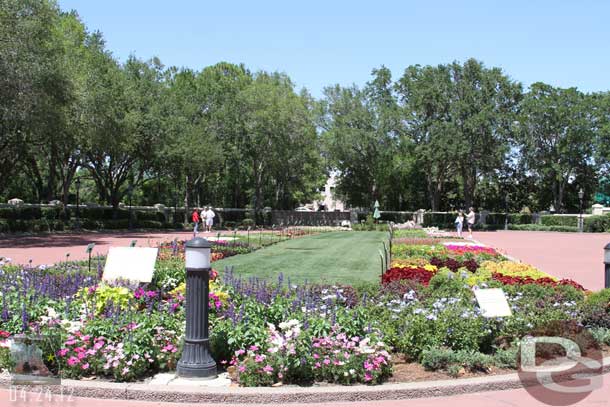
(209, 218)
(470, 219)
(459, 223)
(195, 218)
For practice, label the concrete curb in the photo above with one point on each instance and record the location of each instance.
(287, 394)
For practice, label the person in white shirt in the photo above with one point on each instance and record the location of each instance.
(470, 219)
(459, 223)
(209, 218)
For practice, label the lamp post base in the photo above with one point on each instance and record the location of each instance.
(206, 370)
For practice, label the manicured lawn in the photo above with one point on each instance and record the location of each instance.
(335, 257)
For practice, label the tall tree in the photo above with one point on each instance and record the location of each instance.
(425, 94)
(278, 138)
(361, 136)
(557, 136)
(127, 133)
(484, 105)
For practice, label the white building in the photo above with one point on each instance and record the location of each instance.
(329, 201)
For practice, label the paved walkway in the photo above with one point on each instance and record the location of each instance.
(49, 249)
(518, 397)
(578, 256)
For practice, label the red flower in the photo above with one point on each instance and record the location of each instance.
(4, 334)
(418, 274)
(544, 281)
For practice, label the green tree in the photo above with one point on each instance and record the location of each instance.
(556, 133)
(425, 94)
(361, 134)
(279, 141)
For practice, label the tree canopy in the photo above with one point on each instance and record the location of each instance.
(436, 137)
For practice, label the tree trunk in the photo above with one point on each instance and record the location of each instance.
(186, 199)
(469, 179)
(257, 187)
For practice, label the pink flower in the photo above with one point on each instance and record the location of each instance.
(72, 361)
(239, 352)
(86, 338)
(63, 352)
(85, 366)
(368, 366)
(151, 294)
(317, 365)
(81, 355)
(241, 369)
(138, 293)
(268, 369)
(326, 361)
(125, 370)
(71, 342)
(259, 358)
(253, 348)
(368, 377)
(316, 356)
(98, 345)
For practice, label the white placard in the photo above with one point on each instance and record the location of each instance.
(492, 302)
(130, 263)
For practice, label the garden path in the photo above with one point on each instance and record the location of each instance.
(49, 249)
(578, 256)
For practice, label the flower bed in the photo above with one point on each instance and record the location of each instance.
(267, 333)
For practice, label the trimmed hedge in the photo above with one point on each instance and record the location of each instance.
(54, 219)
(395, 216)
(440, 220)
(597, 223)
(544, 228)
(559, 220)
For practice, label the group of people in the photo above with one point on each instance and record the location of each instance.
(204, 216)
(470, 220)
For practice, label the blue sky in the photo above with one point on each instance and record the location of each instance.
(318, 43)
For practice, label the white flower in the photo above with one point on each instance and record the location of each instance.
(345, 374)
(352, 372)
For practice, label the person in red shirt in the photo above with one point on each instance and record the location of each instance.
(196, 219)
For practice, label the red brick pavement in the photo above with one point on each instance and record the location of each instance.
(578, 256)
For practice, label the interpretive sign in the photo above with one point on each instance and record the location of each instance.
(492, 302)
(130, 263)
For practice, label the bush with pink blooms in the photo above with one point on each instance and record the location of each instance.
(337, 358)
(289, 357)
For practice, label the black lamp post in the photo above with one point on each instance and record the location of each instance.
(607, 266)
(581, 195)
(506, 212)
(77, 183)
(196, 360)
(130, 194)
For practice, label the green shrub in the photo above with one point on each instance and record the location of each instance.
(248, 223)
(116, 224)
(51, 213)
(150, 216)
(440, 220)
(597, 223)
(534, 227)
(506, 358)
(149, 224)
(601, 335)
(446, 359)
(520, 218)
(495, 219)
(438, 358)
(396, 217)
(600, 298)
(559, 220)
